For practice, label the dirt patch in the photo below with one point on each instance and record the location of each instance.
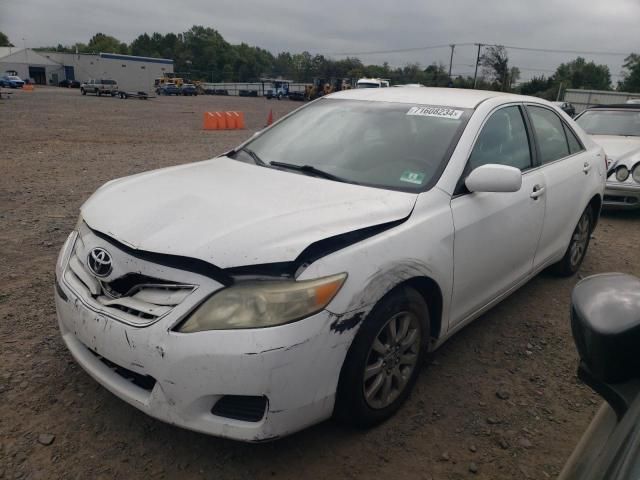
(501, 398)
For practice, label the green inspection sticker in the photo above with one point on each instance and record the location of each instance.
(412, 177)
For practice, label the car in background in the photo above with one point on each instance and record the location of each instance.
(100, 87)
(69, 83)
(634, 101)
(188, 90)
(568, 108)
(605, 321)
(372, 83)
(11, 81)
(249, 264)
(168, 89)
(617, 128)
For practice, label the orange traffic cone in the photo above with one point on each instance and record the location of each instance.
(270, 117)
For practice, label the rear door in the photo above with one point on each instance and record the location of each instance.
(496, 234)
(568, 170)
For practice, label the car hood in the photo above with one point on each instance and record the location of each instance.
(230, 213)
(616, 146)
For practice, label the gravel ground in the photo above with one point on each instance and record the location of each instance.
(499, 400)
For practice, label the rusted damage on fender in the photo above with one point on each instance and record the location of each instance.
(342, 324)
(385, 278)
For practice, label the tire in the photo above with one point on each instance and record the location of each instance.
(578, 246)
(83, 91)
(362, 402)
(98, 93)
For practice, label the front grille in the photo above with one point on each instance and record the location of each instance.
(146, 382)
(134, 298)
(241, 407)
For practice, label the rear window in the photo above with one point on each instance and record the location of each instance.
(108, 82)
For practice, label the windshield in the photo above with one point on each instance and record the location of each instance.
(611, 122)
(389, 145)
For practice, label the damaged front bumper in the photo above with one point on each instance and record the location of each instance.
(272, 381)
(179, 378)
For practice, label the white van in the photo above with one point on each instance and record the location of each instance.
(372, 83)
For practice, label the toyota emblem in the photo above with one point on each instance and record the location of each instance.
(99, 262)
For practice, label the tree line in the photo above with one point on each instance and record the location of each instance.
(203, 54)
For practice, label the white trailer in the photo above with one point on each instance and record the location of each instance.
(582, 99)
(247, 89)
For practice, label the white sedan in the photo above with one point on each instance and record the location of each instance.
(617, 129)
(306, 273)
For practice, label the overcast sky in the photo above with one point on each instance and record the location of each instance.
(337, 26)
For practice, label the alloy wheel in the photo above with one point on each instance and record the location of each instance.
(580, 239)
(392, 359)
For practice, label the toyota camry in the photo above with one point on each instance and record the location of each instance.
(302, 276)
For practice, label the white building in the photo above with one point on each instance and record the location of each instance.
(49, 68)
(29, 64)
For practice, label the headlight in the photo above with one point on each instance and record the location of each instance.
(622, 173)
(636, 173)
(263, 304)
(65, 253)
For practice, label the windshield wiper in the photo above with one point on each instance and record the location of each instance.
(254, 156)
(309, 169)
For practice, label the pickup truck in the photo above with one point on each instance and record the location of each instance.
(100, 87)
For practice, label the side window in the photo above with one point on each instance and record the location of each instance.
(503, 140)
(550, 134)
(574, 144)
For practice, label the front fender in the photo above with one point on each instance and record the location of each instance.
(420, 247)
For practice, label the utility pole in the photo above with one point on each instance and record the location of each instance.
(453, 47)
(559, 92)
(475, 75)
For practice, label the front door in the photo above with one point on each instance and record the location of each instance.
(496, 234)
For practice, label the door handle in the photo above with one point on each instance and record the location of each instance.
(586, 167)
(538, 191)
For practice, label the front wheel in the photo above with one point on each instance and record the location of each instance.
(384, 359)
(578, 245)
(83, 91)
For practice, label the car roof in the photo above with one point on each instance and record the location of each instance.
(449, 97)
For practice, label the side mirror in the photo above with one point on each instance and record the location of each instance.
(494, 178)
(605, 321)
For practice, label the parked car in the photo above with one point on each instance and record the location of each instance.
(100, 87)
(11, 81)
(189, 89)
(568, 108)
(69, 83)
(617, 129)
(634, 101)
(168, 89)
(303, 276)
(605, 320)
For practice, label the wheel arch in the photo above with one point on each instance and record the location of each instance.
(432, 294)
(596, 206)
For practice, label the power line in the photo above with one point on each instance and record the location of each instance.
(509, 47)
(550, 50)
(399, 50)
